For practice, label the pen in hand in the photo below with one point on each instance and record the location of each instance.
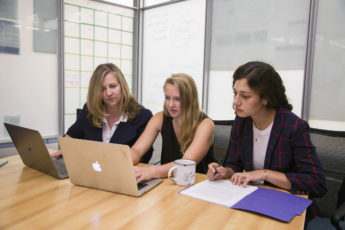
(215, 170)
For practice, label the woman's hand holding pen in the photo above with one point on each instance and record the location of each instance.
(216, 171)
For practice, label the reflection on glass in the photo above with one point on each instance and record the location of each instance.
(29, 66)
(274, 31)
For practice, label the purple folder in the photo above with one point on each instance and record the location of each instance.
(280, 205)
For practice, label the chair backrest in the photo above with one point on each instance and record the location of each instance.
(341, 194)
(221, 138)
(330, 147)
(78, 112)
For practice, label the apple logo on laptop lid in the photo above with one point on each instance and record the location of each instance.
(96, 166)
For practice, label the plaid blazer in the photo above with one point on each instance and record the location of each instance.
(289, 151)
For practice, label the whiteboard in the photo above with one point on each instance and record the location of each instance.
(94, 33)
(173, 42)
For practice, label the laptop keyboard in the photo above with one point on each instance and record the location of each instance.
(60, 165)
(141, 185)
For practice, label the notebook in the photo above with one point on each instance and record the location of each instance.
(104, 166)
(34, 153)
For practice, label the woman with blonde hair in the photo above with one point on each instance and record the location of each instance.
(111, 113)
(186, 131)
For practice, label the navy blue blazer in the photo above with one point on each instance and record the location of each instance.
(289, 151)
(126, 133)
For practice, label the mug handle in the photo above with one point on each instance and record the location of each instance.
(173, 178)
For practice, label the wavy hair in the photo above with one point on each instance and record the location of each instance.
(129, 107)
(190, 111)
(263, 79)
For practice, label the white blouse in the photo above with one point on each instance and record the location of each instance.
(260, 140)
(107, 132)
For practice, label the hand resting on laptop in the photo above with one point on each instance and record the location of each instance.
(59, 152)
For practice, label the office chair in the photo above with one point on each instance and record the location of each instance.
(330, 147)
(78, 112)
(337, 218)
(222, 129)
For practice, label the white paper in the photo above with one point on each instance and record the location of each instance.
(221, 192)
(127, 24)
(71, 29)
(101, 18)
(101, 34)
(86, 15)
(115, 21)
(86, 31)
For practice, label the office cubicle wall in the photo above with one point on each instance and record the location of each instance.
(173, 42)
(29, 66)
(95, 33)
(270, 31)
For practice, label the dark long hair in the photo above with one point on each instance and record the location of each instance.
(263, 79)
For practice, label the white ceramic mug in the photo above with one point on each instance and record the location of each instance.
(184, 172)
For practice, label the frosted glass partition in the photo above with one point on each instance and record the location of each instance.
(95, 33)
(327, 106)
(29, 66)
(173, 43)
(273, 31)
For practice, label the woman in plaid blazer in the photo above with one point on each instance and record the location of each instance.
(269, 143)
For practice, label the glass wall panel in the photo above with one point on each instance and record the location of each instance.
(327, 105)
(273, 31)
(173, 43)
(29, 66)
(94, 33)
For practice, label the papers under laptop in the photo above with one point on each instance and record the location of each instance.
(34, 153)
(104, 166)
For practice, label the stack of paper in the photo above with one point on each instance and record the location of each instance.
(269, 202)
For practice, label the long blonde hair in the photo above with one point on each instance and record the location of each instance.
(189, 118)
(96, 107)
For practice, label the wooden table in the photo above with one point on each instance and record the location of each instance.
(32, 200)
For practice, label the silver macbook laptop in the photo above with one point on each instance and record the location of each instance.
(34, 153)
(104, 166)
